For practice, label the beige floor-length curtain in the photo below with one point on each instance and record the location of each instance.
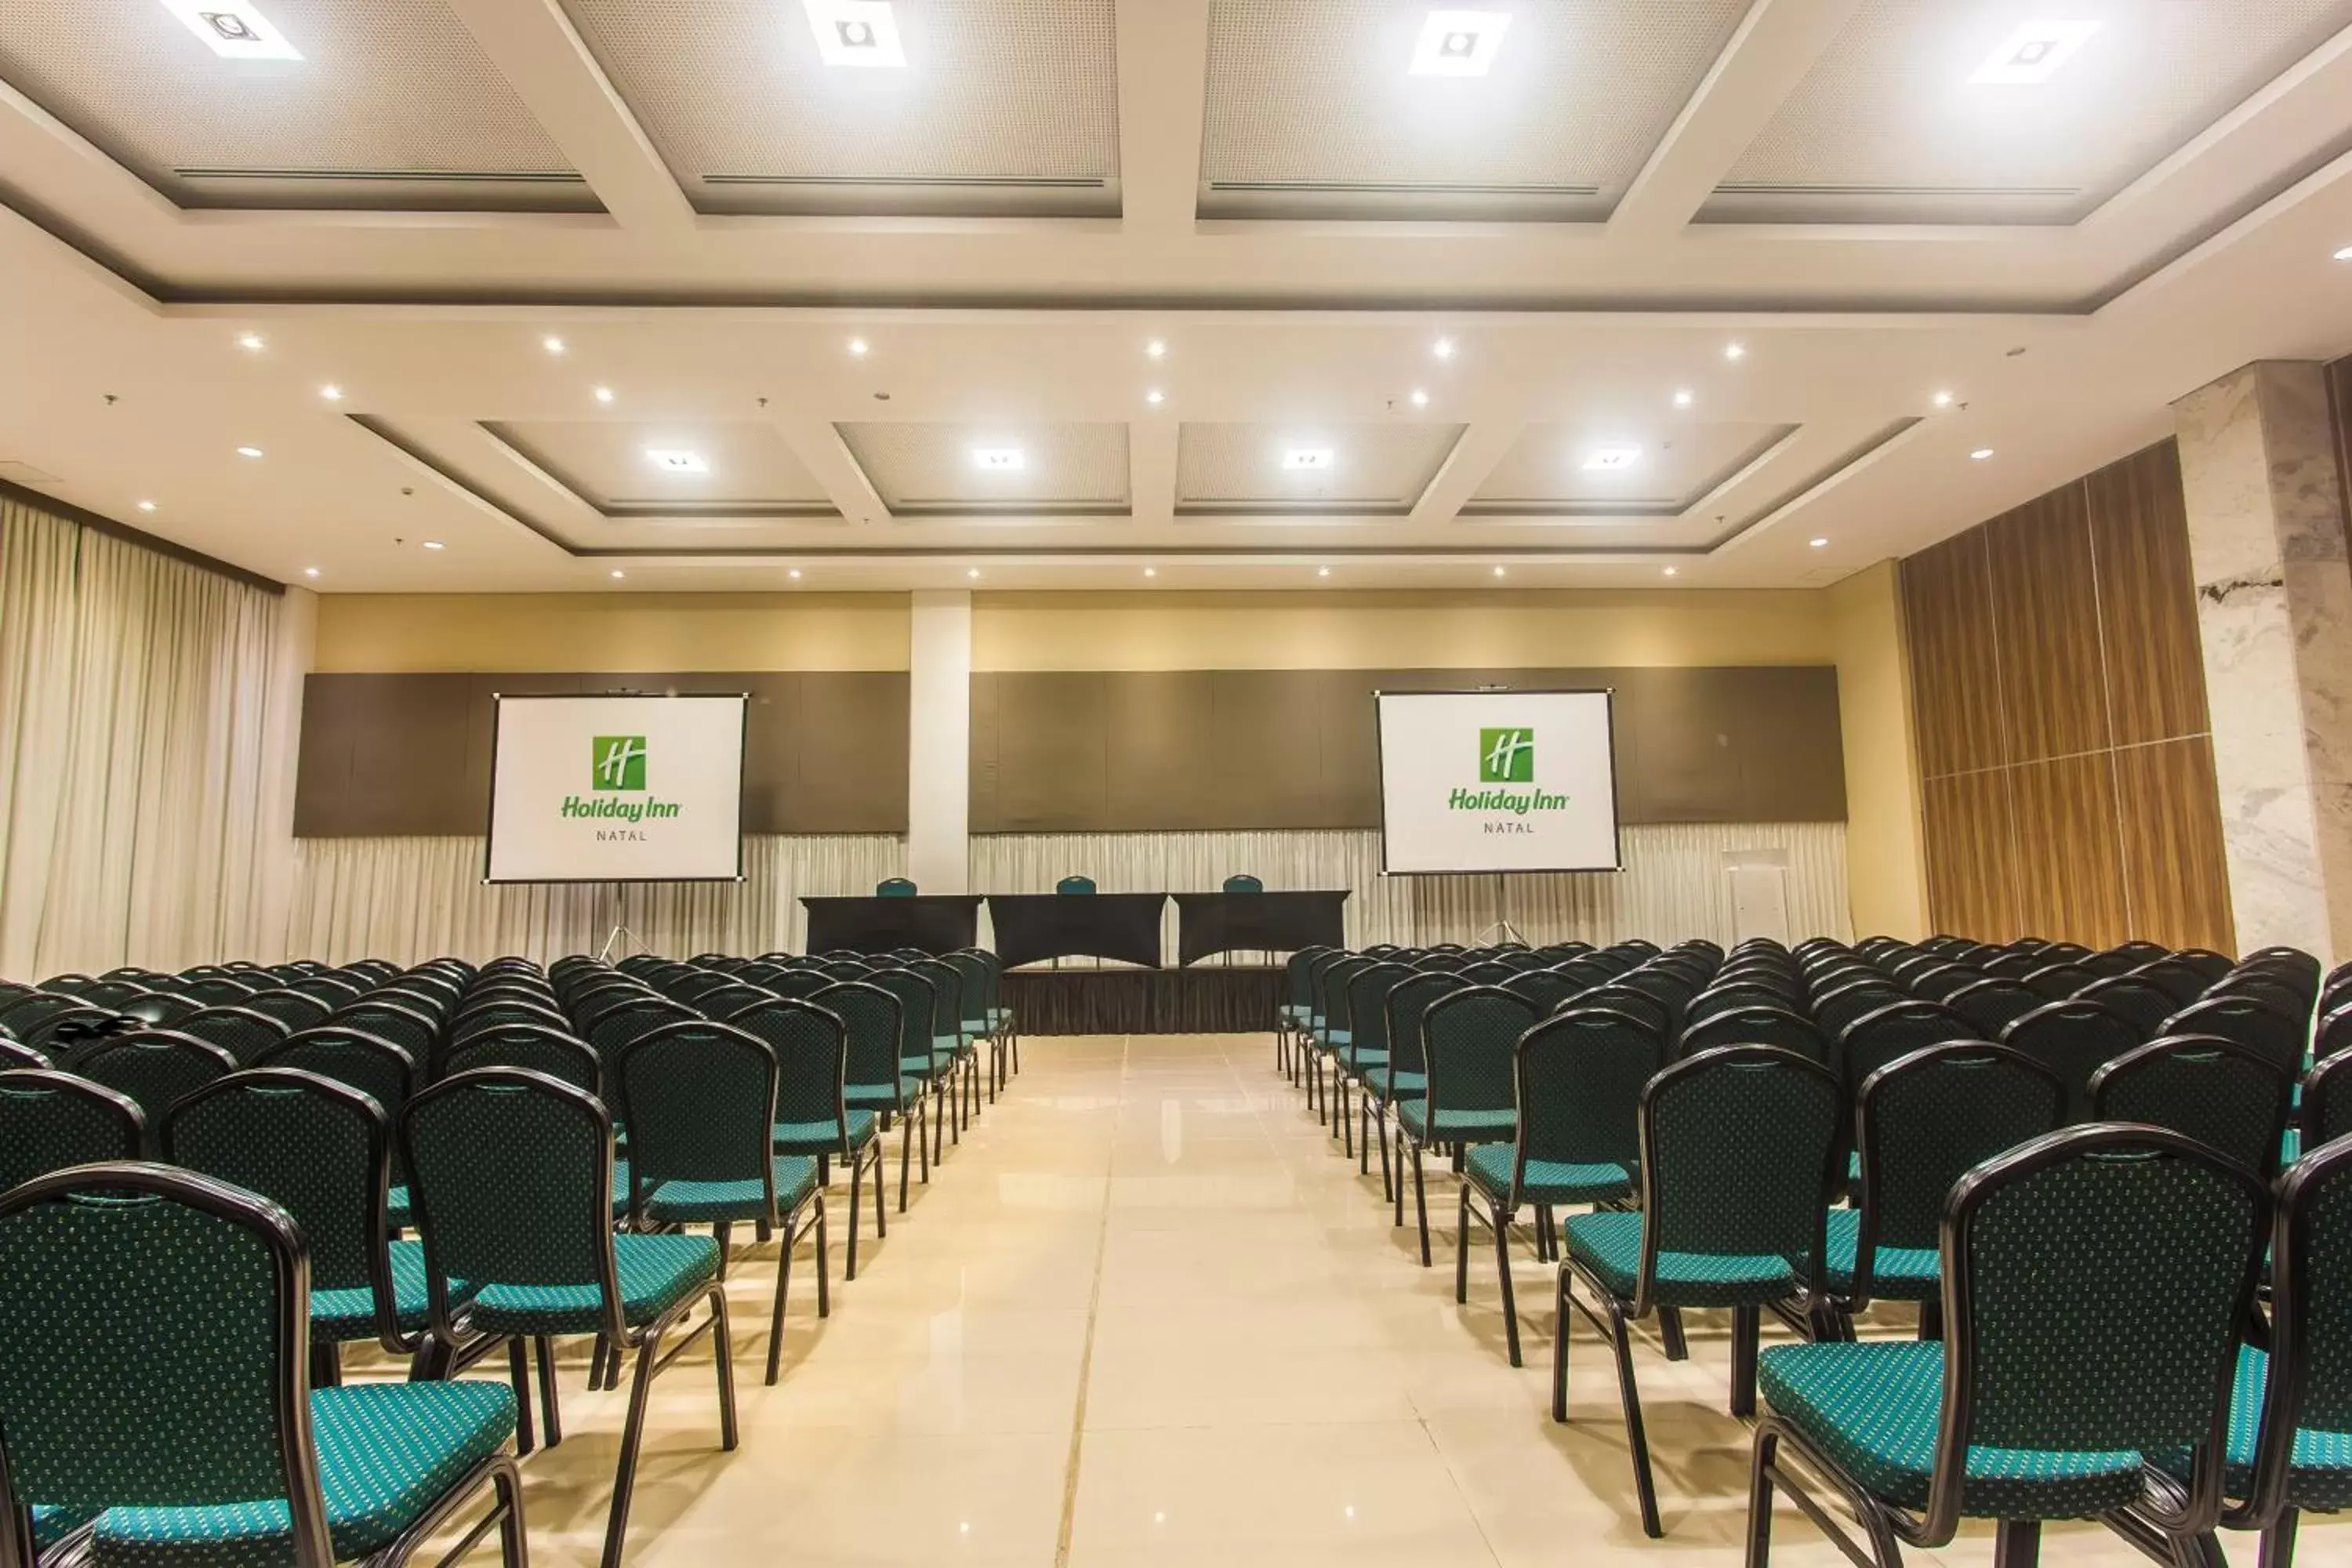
(136, 697)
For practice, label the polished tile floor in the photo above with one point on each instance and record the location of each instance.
(1147, 1314)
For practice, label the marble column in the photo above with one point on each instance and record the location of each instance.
(2266, 537)
(939, 742)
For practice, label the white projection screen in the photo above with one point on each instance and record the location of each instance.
(1498, 781)
(617, 789)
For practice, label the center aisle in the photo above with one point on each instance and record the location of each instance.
(1148, 1314)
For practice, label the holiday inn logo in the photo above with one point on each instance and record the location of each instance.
(1507, 756)
(619, 763)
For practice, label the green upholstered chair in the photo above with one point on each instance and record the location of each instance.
(813, 1118)
(377, 1069)
(612, 1027)
(1329, 1029)
(497, 1012)
(14, 1054)
(1367, 1048)
(2326, 1101)
(1406, 1075)
(513, 1178)
(51, 1120)
(1578, 1077)
(2282, 1036)
(2228, 1096)
(2095, 1282)
(1890, 1032)
(412, 1028)
(1742, 1148)
(1243, 882)
(951, 1025)
(894, 888)
(2073, 1039)
(535, 1047)
(295, 1009)
(2178, 976)
(700, 1100)
(241, 1032)
(1297, 1009)
(1074, 885)
(153, 1390)
(871, 1077)
(27, 1011)
(1469, 1040)
(920, 1055)
(2146, 1005)
(1755, 1026)
(1844, 1000)
(1922, 1122)
(321, 1151)
(1547, 987)
(985, 1020)
(155, 1067)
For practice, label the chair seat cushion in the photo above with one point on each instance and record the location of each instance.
(704, 1202)
(350, 1314)
(1610, 1245)
(824, 1137)
(656, 1272)
(1873, 1409)
(882, 1094)
(927, 1066)
(1000, 1018)
(976, 1028)
(1378, 1079)
(2321, 1474)
(1896, 1273)
(1484, 1125)
(1333, 1039)
(1361, 1059)
(1489, 1168)
(387, 1451)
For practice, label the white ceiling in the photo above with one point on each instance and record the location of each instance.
(1813, 181)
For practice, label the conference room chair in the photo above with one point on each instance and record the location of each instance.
(2094, 1283)
(413, 1031)
(1074, 885)
(1578, 1077)
(872, 1079)
(14, 1053)
(1329, 1028)
(1360, 1046)
(723, 1001)
(160, 1009)
(112, 993)
(2332, 1033)
(2276, 988)
(51, 1120)
(534, 1047)
(245, 1034)
(1488, 972)
(894, 888)
(700, 1100)
(2178, 977)
(333, 990)
(1939, 983)
(1921, 1123)
(60, 1030)
(610, 1028)
(949, 1031)
(985, 1020)
(2284, 1038)
(1521, 960)
(2057, 981)
(1992, 1005)
(1760, 1025)
(193, 1437)
(1884, 1034)
(1626, 999)
(2073, 1039)
(377, 1069)
(1243, 882)
(321, 1151)
(2287, 961)
(2145, 1005)
(1742, 1152)
(497, 1012)
(1297, 1009)
(221, 991)
(1468, 1038)
(513, 1173)
(1836, 1007)
(1405, 1075)
(1547, 987)
(2226, 1095)
(153, 1069)
(813, 1118)
(920, 1057)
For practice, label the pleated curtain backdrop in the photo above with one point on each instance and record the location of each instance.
(136, 697)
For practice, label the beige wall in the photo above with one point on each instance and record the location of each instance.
(1886, 872)
(385, 633)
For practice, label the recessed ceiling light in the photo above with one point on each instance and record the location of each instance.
(1734, 350)
(857, 346)
(1981, 453)
(431, 545)
(999, 459)
(856, 33)
(1157, 348)
(1307, 457)
(1151, 571)
(1459, 43)
(146, 506)
(1155, 398)
(2035, 52)
(1818, 544)
(1420, 398)
(1943, 400)
(248, 451)
(1673, 571)
(252, 342)
(233, 29)
(1682, 398)
(331, 393)
(973, 572)
(1603, 459)
(795, 574)
(1322, 571)
(309, 570)
(1500, 571)
(676, 461)
(618, 574)
(1443, 348)
(2344, 254)
(603, 395)
(552, 346)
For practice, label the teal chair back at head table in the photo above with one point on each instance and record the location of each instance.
(1244, 883)
(894, 888)
(1074, 885)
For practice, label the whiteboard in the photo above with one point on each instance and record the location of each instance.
(1498, 781)
(617, 789)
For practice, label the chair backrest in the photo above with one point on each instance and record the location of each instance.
(1992, 1005)
(894, 888)
(13, 1053)
(2073, 1039)
(2096, 1281)
(497, 1012)
(1368, 1004)
(1330, 986)
(1926, 1119)
(2146, 1005)
(917, 1001)
(1940, 981)
(1626, 999)
(2059, 981)
(948, 1010)
(1298, 976)
(557, 1053)
(2178, 978)
(1243, 882)
(2284, 1038)
(1074, 885)
(241, 1032)
(2281, 991)
(699, 1099)
(50, 1120)
(219, 990)
(1471, 1039)
(1836, 1007)
(155, 1067)
(1407, 1008)
(724, 1000)
(2216, 1090)
(164, 1009)
(875, 1025)
(333, 990)
(1547, 989)
(1742, 1149)
(295, 1009)
(1755, 1026)
(377, 1069)
(69, 1030)
(811, 1052)
(2310, 1386)
(611, 1029)
(159, 1332)
(511, 1175)
(1578, 1076)
(1880, 1037)
(413, 1031)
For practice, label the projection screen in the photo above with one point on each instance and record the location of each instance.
(1498, 781)
(617, 789)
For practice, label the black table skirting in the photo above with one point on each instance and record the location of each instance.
(1214, 1000)
(1033, 927)
(1211, 923)
(941, 923)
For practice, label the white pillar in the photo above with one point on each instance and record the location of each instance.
(939, 742)
(2266, 541)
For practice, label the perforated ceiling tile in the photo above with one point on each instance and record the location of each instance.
(1004, 106)
(678, 469)
(391, 105)
(931, 470)
(1313, 109)
(1888, 127)
(1631, 469)
(1308, 467)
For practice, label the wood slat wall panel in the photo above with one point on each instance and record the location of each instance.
(2174, 868)
(1971, 882)
(2069, 870)
(2147, 598)
(1955, 671)
(2045, 624)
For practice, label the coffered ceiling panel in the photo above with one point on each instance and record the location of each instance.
(1006, 107)
(318, 103)
(1308, 467)
(1330, 108)
(1962, 111)
(1628, 468)
(681, 469)
(932, 470)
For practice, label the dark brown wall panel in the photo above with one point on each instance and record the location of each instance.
(1955, 674)
(1971, 886)
(2068, 865)
(2045, 619)
(2147, 598)
(2174, 868)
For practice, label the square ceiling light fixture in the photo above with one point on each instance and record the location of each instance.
(233, 29)
(999, 459)
(1610, 460)
(2035, 52)
(857, 32)
(1459, 43)
(671, 460)
(1307, 457)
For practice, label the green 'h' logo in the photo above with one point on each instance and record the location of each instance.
(1507, 756)
(620, 763)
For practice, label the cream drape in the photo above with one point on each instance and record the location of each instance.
(137, 694)
(407, 900)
